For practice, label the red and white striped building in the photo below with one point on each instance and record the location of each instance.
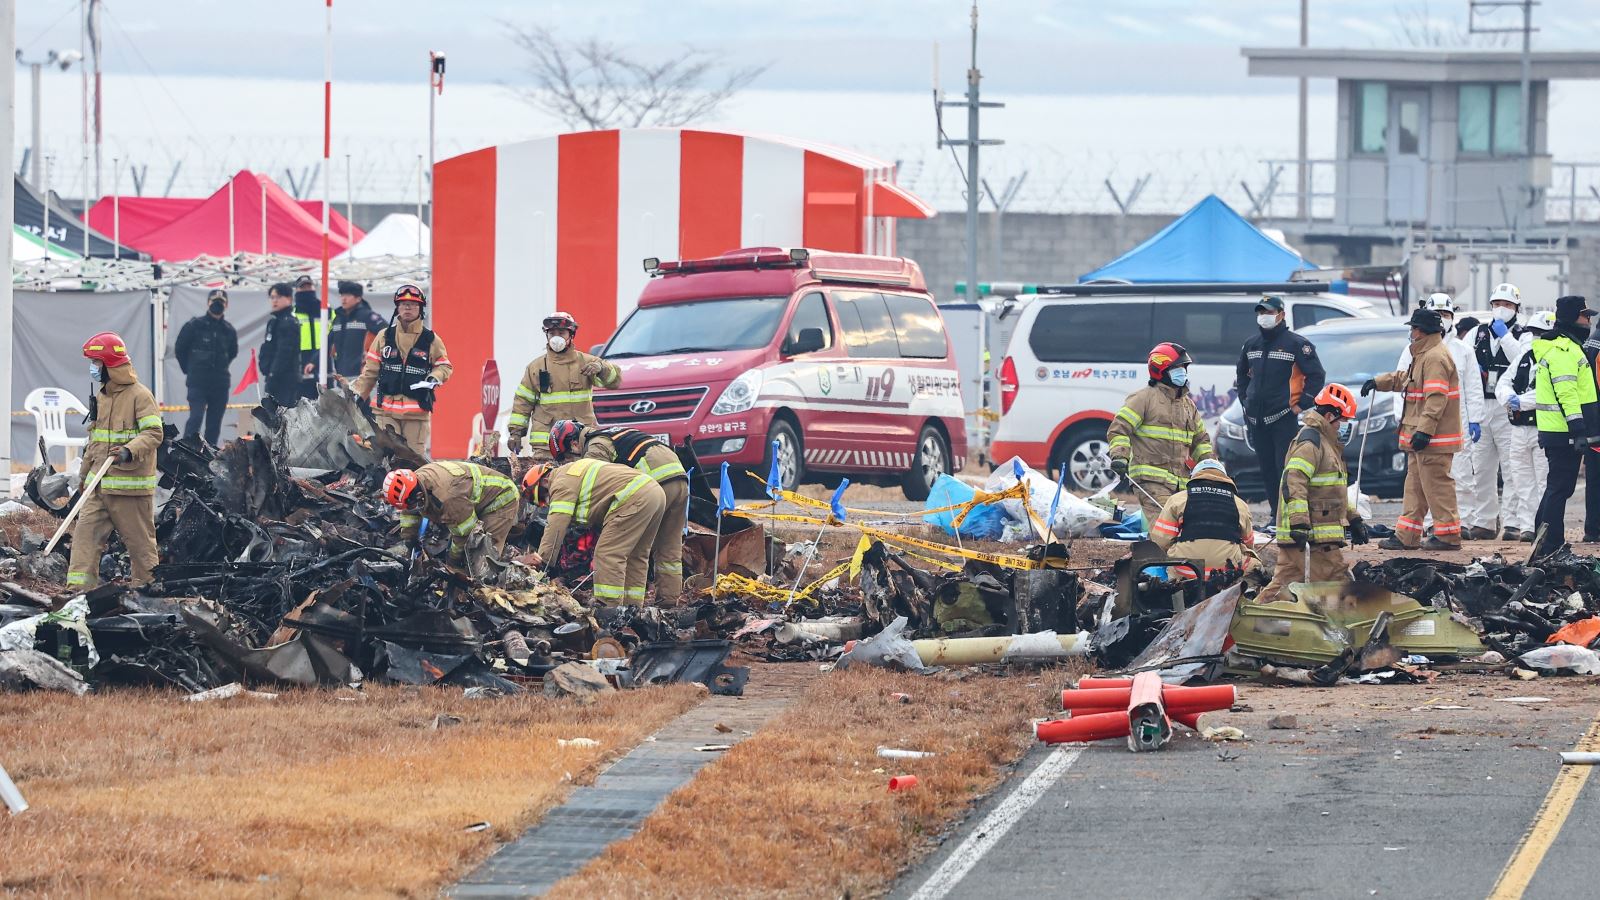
(564, 223)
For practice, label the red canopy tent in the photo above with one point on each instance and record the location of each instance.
(172, 228)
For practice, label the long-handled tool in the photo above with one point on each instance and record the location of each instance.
(94, 484)
(1140, 489)
(1361, 457)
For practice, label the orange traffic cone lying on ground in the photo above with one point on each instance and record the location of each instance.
(1137, 708)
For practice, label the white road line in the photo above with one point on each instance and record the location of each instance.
(995, 825)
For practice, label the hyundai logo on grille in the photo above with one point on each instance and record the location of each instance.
(642, 407)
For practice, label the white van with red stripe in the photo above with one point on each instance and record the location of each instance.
(840, 359)
(1079, 350)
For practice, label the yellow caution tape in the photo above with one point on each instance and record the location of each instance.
(733, 582)
(1000, 559)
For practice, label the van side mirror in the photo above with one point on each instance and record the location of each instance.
(595, 350)
(809, 340)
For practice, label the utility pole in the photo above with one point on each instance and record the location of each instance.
(974, 194)
(435, 88)
(94, 50)
(1305, 173)
(1525, 139)
(64, 59)
(8, 84)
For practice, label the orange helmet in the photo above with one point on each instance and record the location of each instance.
(1165, 356)
(107, 348)
(1337, 396)
(399, 488)
(536, 483)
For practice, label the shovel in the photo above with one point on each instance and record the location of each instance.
(78, 507)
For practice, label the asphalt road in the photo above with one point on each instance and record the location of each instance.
(1376, 793)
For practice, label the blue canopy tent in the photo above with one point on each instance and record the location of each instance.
(1209, 243)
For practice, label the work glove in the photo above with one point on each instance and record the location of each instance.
(1300, 534)
(1420, 440)
(1370, 385)
(426, 384)
(592, 368)
(1515, 403)
(514, 443)
(1120, 466)
(1358, 532)
(1475, 431)
(123, 455)
(1498, 328)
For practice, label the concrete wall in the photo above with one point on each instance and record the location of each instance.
(1037, 247)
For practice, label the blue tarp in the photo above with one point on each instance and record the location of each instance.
(1210, 242)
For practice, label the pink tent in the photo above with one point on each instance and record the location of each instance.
(172, 228)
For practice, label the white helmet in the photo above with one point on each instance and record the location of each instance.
(1508, 292)
(1543, 320)
(1440, 303)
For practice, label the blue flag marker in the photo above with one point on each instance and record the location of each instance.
(1055, 502)
(837, 503)
(725, 495)
(1016, 467)
(774, 483)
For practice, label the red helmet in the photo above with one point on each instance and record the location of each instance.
(561, 320)
(410, 293)
(536, 483)
(565, 437)
(1338, 397)
(107, 348)
(1166, 356)
(399, 487)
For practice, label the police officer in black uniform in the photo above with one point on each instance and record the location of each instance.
(280, 349)
(354, 327)
(308, 310)
(206, 346)
(1277, 375)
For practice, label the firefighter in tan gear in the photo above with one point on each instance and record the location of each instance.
(1158, 431)
(403, 368)
(127, 428)
(1430, 433)
(1207, 521)
(461, 497)
(624, 504)
(558, 385)
(1313, 499)
(632, 447)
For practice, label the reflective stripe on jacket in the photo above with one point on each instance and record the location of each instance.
(1159, 432)
(584, 493)
(658, 461)
(457, 495)
(126, 415)
(1563, 383)
(1313, 492)
(566, 394)
(1432, 389)
(406, 336)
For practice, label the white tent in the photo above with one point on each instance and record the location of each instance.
(398, 234)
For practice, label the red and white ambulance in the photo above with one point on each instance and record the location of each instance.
(840, 359)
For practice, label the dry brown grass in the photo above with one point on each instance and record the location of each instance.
(36, 520)
(136, 793)
(802, 808)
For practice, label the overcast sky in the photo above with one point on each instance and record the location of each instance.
(1119, 90)
(1027, 46)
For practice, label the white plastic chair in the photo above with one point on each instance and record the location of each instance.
(50, 408)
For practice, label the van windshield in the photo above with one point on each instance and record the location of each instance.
(738, 324)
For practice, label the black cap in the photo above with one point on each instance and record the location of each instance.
(352, 288)
(304, 281)
(1571, 308)
(217, 294)
(1270, 303)
(1426, 320)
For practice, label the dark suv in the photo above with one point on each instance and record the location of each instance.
(1352, 350)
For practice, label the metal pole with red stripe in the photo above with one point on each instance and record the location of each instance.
(327, 187)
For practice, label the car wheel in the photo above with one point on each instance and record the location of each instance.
(931, 460)
(1083, 453)
(791, 466)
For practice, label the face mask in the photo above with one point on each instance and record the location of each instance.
(1178, 377)
(1504, 313)
(1346, 430)
(217, 306)
(1267, 321)
(558, 343)
(94, 372)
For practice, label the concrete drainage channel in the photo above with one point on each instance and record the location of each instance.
(622, 797)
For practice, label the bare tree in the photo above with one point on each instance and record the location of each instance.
(593, 84)
(1418, 28)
